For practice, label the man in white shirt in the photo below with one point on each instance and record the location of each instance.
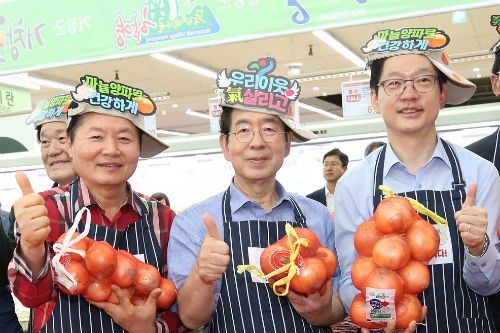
(334, 165)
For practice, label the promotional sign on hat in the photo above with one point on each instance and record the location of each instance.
(117, 99)
(50, 110)
(430, 42)
(257, 90)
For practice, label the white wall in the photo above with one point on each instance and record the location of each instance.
(189, 179)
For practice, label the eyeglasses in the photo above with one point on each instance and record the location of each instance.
(422, 84)
(245, 134)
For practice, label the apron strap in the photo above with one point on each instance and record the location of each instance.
(458, 180)
(378, 176)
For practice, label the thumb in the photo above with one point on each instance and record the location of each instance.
(24, 183)
(153, 296)
(470, 198)
(211, 226)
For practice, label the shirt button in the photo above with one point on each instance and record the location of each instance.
(473, 264)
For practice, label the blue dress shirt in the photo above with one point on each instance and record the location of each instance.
(188, 230)
(354, 205)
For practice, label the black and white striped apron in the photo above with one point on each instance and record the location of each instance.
(74, 313)
(496, 154)
(451, 305)
(246, 306)
(495, 299)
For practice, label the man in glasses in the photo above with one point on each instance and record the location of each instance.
(334, 165)
(210, 239)
(411, 81)
(489, 148)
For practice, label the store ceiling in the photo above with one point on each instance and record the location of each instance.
(468, 49)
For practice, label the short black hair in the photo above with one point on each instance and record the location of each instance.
(39, 133)
(344, 159)
(161, 196)
(76, 121)
(376, 71)
(372, 146)
(225, 119)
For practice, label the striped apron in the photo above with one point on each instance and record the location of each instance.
(246, 306)
(495, 299)
(74, 313)
(451, 305)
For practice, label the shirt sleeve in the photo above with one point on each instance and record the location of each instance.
(347, 218)
(183, 247)
(482, 274)
(31, 291)
(166, 320)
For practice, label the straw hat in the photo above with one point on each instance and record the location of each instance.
(119, 100)
(430, 42)
(257, 91)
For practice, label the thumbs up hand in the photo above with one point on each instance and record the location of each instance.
(213, 257)
(31, 217)
(472, 222)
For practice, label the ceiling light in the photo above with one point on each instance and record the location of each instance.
(21, 80)
(51, 83)
(324, 94)
(339, 47)
(197, 114)
(478, 76)
(164, 112)
(476, 69)
(318, 110)
(171, 133)
(185, 65)
(175, 105)
(315, 88)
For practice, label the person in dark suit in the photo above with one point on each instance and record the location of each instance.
(334, 165)
(489, 149)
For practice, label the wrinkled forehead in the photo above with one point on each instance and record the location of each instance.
(52, 128)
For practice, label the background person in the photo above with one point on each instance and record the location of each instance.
(372, 146)
(161, 197)
(489, 148)
(49, 120)
(334, 166)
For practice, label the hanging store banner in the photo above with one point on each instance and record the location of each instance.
(14, 99)
(50, 33)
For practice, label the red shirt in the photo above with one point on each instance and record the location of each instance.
(40, 292)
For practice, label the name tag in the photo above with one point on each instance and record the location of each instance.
(254, 259)
(444, 254)
(140, 256)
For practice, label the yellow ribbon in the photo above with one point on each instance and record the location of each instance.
(290, 267)
(418, 207)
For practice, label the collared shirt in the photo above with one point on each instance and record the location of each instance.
(330, 197)
(40, 291)
(188, 230)
(354, 205)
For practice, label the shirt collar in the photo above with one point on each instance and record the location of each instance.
(392, 160)
(327, 192)
(238, 199)
(85, 199)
